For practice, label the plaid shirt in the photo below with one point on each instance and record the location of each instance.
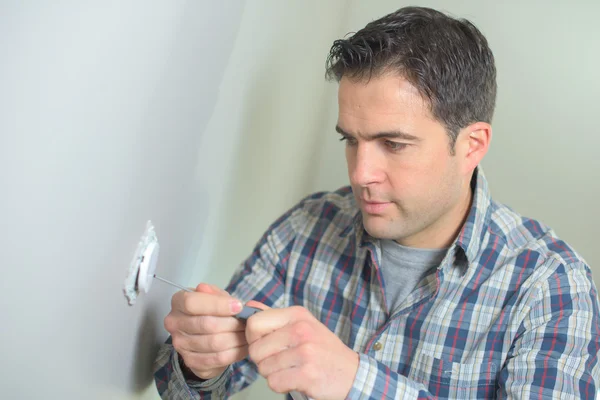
(511, 312)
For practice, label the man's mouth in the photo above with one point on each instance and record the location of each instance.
(374, 207)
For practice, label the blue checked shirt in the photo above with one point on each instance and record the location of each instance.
(511, 312)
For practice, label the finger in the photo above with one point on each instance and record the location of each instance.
(265, 322)
(285, 380)
(208, 324)
(208, 361)
(212, 289)
(257, 304)
(198, 303)
(212, 343)
(272, 344)
(289, 358)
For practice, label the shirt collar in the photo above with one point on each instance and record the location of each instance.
(475, 227)
(472, 232)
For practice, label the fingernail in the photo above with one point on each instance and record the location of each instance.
(235, 306)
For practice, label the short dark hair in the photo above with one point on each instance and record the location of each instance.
(448, 60)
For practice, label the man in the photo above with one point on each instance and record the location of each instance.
(413, 283)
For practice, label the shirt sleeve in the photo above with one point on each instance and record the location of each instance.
(555, 353)
(260, 277)
(375, 381)
(171, 382)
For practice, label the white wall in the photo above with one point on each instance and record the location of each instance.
(543, 160)
(102, 112)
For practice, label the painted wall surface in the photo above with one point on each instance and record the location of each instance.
(102, 111)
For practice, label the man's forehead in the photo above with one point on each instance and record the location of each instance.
(387, 102)
(386, 94)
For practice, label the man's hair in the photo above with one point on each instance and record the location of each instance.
(447, 60)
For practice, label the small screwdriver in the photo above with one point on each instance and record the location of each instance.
(243, 315)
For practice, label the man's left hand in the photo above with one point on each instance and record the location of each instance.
(294, 351)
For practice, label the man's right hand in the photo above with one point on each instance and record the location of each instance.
(204, 331)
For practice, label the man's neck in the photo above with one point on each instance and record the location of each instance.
(442, 233)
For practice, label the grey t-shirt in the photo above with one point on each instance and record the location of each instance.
(404, 267)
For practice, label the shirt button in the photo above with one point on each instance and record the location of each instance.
(377, 346)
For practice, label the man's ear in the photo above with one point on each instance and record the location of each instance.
(472, 144)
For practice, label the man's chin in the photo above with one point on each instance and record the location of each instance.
(379, 226)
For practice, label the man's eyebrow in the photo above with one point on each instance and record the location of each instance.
(382, 135)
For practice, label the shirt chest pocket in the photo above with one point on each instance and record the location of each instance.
(448, 379)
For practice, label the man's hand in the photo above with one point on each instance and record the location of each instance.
(203, 331)
(294, 351)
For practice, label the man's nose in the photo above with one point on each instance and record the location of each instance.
(367, 167)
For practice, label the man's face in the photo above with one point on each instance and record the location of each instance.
(408, 185)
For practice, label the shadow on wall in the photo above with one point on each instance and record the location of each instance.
(147, 345)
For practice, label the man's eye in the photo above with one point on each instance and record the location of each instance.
(349, 141)
(395, 146)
